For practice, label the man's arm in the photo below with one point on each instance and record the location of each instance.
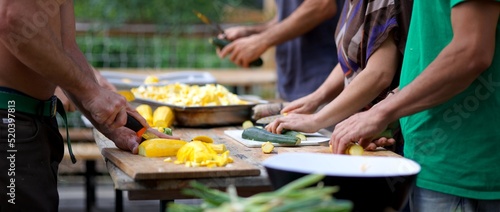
(307, 16)
(468, 54)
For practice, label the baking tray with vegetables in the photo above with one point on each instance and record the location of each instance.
(198, 106)
(131, 80)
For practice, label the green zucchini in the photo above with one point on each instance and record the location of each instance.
(257, 134)
(221, 43)
(294, 133)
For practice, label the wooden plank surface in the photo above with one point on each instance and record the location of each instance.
(144, 168)
(248, 185)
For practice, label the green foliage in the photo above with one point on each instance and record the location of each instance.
(153, 11)
(150, 52)
(171, 46)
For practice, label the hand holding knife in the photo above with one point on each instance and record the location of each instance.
(137, 127)
(221, 43)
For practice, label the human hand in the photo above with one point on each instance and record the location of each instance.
(105, 108)
(380, 142)
(234, 33)
(304, 105)
(243, 51)
(294, 121)
(127, 140)
(362, 128)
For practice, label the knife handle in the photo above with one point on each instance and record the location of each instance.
(135, 125)
(221, 43)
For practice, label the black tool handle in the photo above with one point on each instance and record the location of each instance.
(133, 124)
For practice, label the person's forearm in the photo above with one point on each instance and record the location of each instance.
(460, 63)
(255, 29)
(365, 87)
(331, 87)
(307, 16)
(450, 74)
(358, 94)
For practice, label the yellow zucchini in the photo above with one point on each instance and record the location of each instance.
(146, 112)
(163, 116)
(160, 147)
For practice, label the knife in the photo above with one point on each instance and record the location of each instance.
(207, 21)
(137, 127)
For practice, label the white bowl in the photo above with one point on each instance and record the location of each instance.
(371, 183)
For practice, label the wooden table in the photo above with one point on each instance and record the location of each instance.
(170, 189)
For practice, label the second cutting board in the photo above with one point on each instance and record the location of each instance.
(313, 139)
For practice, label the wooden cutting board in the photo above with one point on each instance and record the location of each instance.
(143, 168)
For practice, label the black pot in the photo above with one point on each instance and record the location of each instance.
(370, 183)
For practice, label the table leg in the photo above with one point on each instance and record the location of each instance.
(118, 200)
(164, 205)
(90, 174)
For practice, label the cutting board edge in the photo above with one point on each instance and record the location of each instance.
(250, 170)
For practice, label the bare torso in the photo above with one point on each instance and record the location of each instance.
(16, 75)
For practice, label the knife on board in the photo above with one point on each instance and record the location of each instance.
(136, 126)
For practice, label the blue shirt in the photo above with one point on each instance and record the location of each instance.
(305, 62)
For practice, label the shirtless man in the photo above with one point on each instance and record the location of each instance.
(38, 52)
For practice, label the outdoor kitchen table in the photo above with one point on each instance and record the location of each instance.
(246, 174)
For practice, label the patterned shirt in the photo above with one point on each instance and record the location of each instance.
(363, 26)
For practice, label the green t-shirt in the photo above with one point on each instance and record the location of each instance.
(457, 143)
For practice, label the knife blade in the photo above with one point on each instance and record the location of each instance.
(207, 21)
(136, 126)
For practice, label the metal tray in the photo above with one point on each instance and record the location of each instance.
(123, 80)
(208, 116)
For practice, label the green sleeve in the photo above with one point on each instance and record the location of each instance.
(456, 2)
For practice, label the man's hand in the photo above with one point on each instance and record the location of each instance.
(305, 105)
(244, 50)
(294, 121)
(361, 127)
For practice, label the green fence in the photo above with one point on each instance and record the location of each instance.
(157, 34)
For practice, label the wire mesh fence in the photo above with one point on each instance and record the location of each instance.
(158, 34)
